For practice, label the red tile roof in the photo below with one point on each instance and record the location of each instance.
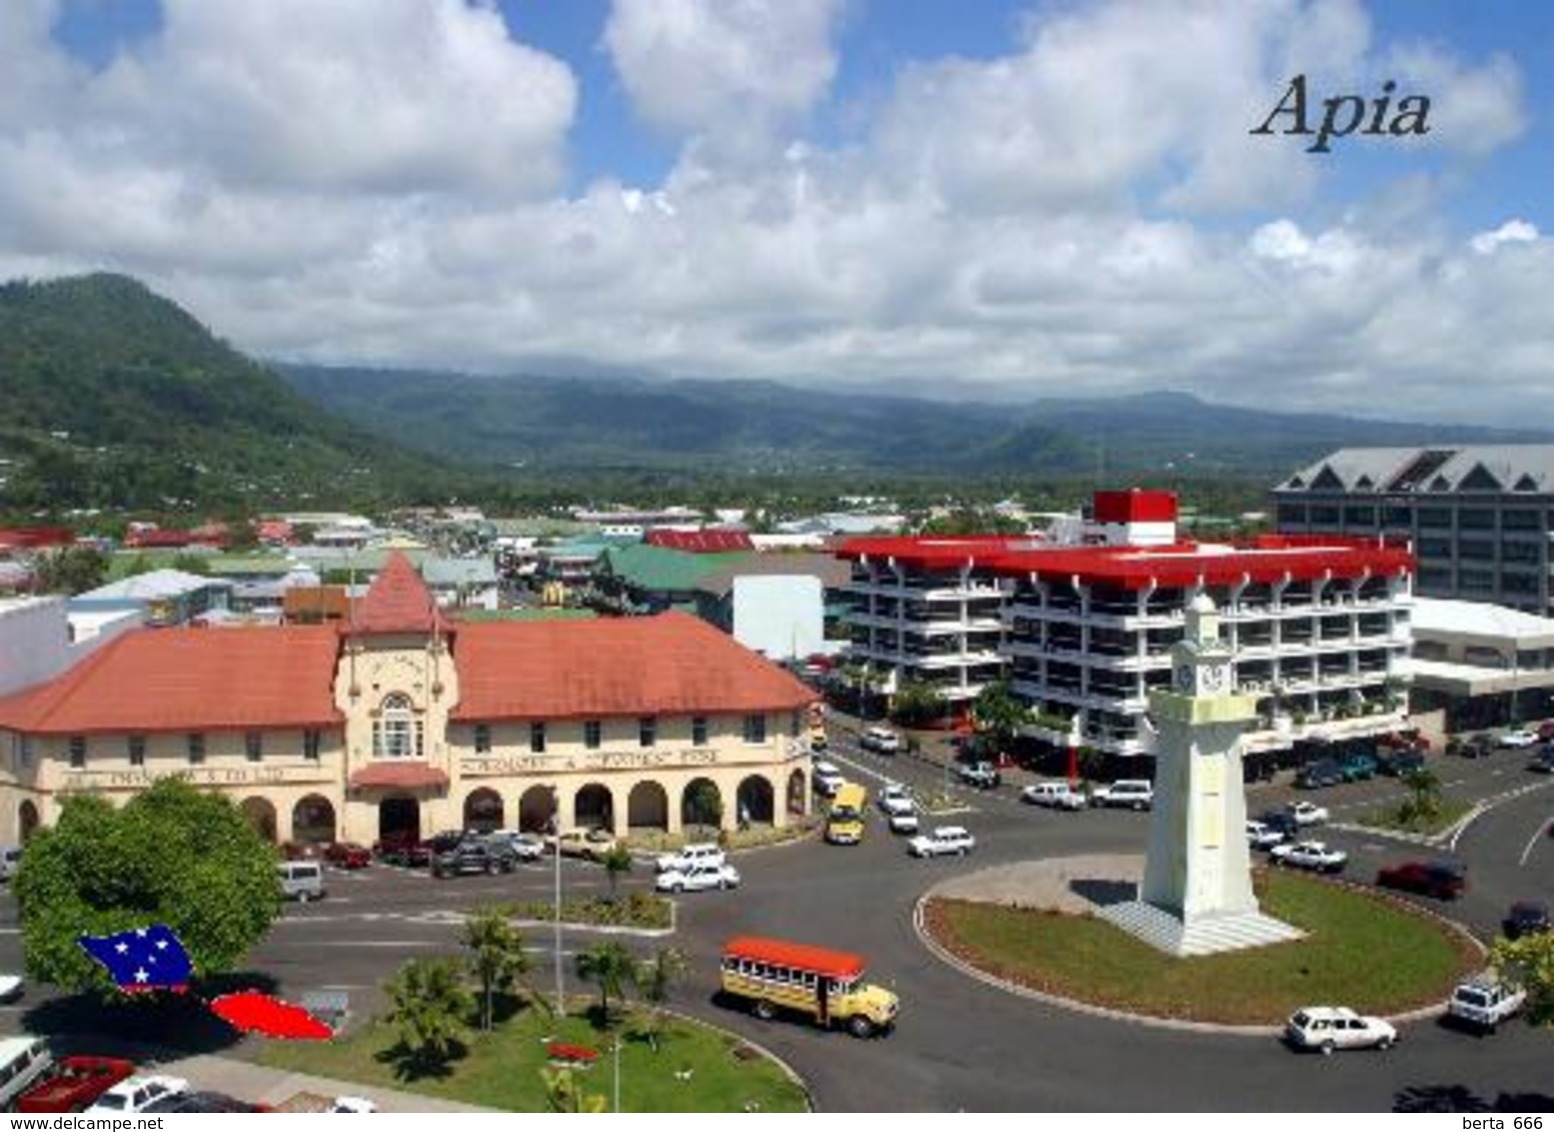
(630, 666)
(700, 542)
(189, 680)
(400, 775)
(397, 602)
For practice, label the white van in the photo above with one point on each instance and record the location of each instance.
(10, 861)
(22, 1061)
(301, 880)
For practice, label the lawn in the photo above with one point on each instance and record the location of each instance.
(502, 1069)
(1361, 951)
(1451, 811)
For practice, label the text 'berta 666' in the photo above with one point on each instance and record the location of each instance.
(1343, 114)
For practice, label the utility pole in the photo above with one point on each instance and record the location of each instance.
(617, 1073)
(555, 826)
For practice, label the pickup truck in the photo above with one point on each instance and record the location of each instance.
(74, 1083)
(1484, 1005)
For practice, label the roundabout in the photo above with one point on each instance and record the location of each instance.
(1032, 927)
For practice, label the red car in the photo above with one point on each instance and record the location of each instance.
(348, 855)
(404, 849)
(1440, 881)
(74, 1084)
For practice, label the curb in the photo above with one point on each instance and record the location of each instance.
(949, 958)
(788, 1071)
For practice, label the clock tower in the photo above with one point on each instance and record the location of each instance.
(1197, 892)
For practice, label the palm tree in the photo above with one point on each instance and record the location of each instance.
(616, 860)
(656, 978)
(611, 966)
(430, 1005)
(496, 955)
(1424, 797)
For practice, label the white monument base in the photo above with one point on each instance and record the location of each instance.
(1203, 935)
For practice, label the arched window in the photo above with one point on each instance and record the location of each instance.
(397, 732)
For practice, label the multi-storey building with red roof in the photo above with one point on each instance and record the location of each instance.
(396, 721)
(1083, 628)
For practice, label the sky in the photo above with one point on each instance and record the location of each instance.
(1018, 199)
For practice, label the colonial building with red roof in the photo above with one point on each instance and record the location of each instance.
(396, 722)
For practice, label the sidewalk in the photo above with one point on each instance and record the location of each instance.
(253, 1082)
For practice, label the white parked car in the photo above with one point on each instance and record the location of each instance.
(1312, 855)
(1308, 813)
(1518, 737)
(133, 1094)
(698, 878)
(11, 987)
(353, 1104)
(1326, 1028)
(691, 857)
(880, 739)
(827, 778)
(1133, 793)
(945, 841)
(523, 846)
(1260, 836)
(904, 822)
(1057, 795)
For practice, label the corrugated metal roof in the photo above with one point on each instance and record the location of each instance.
(657, 569)
(630, 666)
(188, 680)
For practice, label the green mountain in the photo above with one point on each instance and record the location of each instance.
(115, 397)
(762, 426)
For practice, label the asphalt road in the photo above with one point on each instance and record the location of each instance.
(960, 1044)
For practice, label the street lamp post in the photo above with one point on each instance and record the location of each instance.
(555, 825)
(617, 1073)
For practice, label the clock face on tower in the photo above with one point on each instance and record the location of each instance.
(1202, 679)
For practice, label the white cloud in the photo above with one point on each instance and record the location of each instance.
(1511, 232)
(727, 68)
(376, 181)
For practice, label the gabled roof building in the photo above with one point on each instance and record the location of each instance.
(398, 721)
(1479, 517)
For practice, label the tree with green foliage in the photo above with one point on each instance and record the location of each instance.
(563, 1092)
(1423, 803)
(617, 861)
(704, 803)
(170, 855)
(610, 967)
(496, 956)
(71, 570)
(429, 1006)
(917, 704)
(656, 978)
(998, 714)
(1529, 962)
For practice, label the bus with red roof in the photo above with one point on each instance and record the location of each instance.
(773, 976)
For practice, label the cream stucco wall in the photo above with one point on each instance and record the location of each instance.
(620, 783)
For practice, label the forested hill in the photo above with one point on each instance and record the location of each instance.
(116, 397)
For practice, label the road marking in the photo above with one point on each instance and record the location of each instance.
(1531, 842)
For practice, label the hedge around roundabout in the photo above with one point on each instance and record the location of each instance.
(1374, 953)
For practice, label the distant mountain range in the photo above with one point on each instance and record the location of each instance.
(762, 425)
(112, 396)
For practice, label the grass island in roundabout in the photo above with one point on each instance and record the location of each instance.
(686, 1067)
(1363, 950)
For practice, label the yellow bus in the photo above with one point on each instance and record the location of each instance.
(772, 975)
(844, 821)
